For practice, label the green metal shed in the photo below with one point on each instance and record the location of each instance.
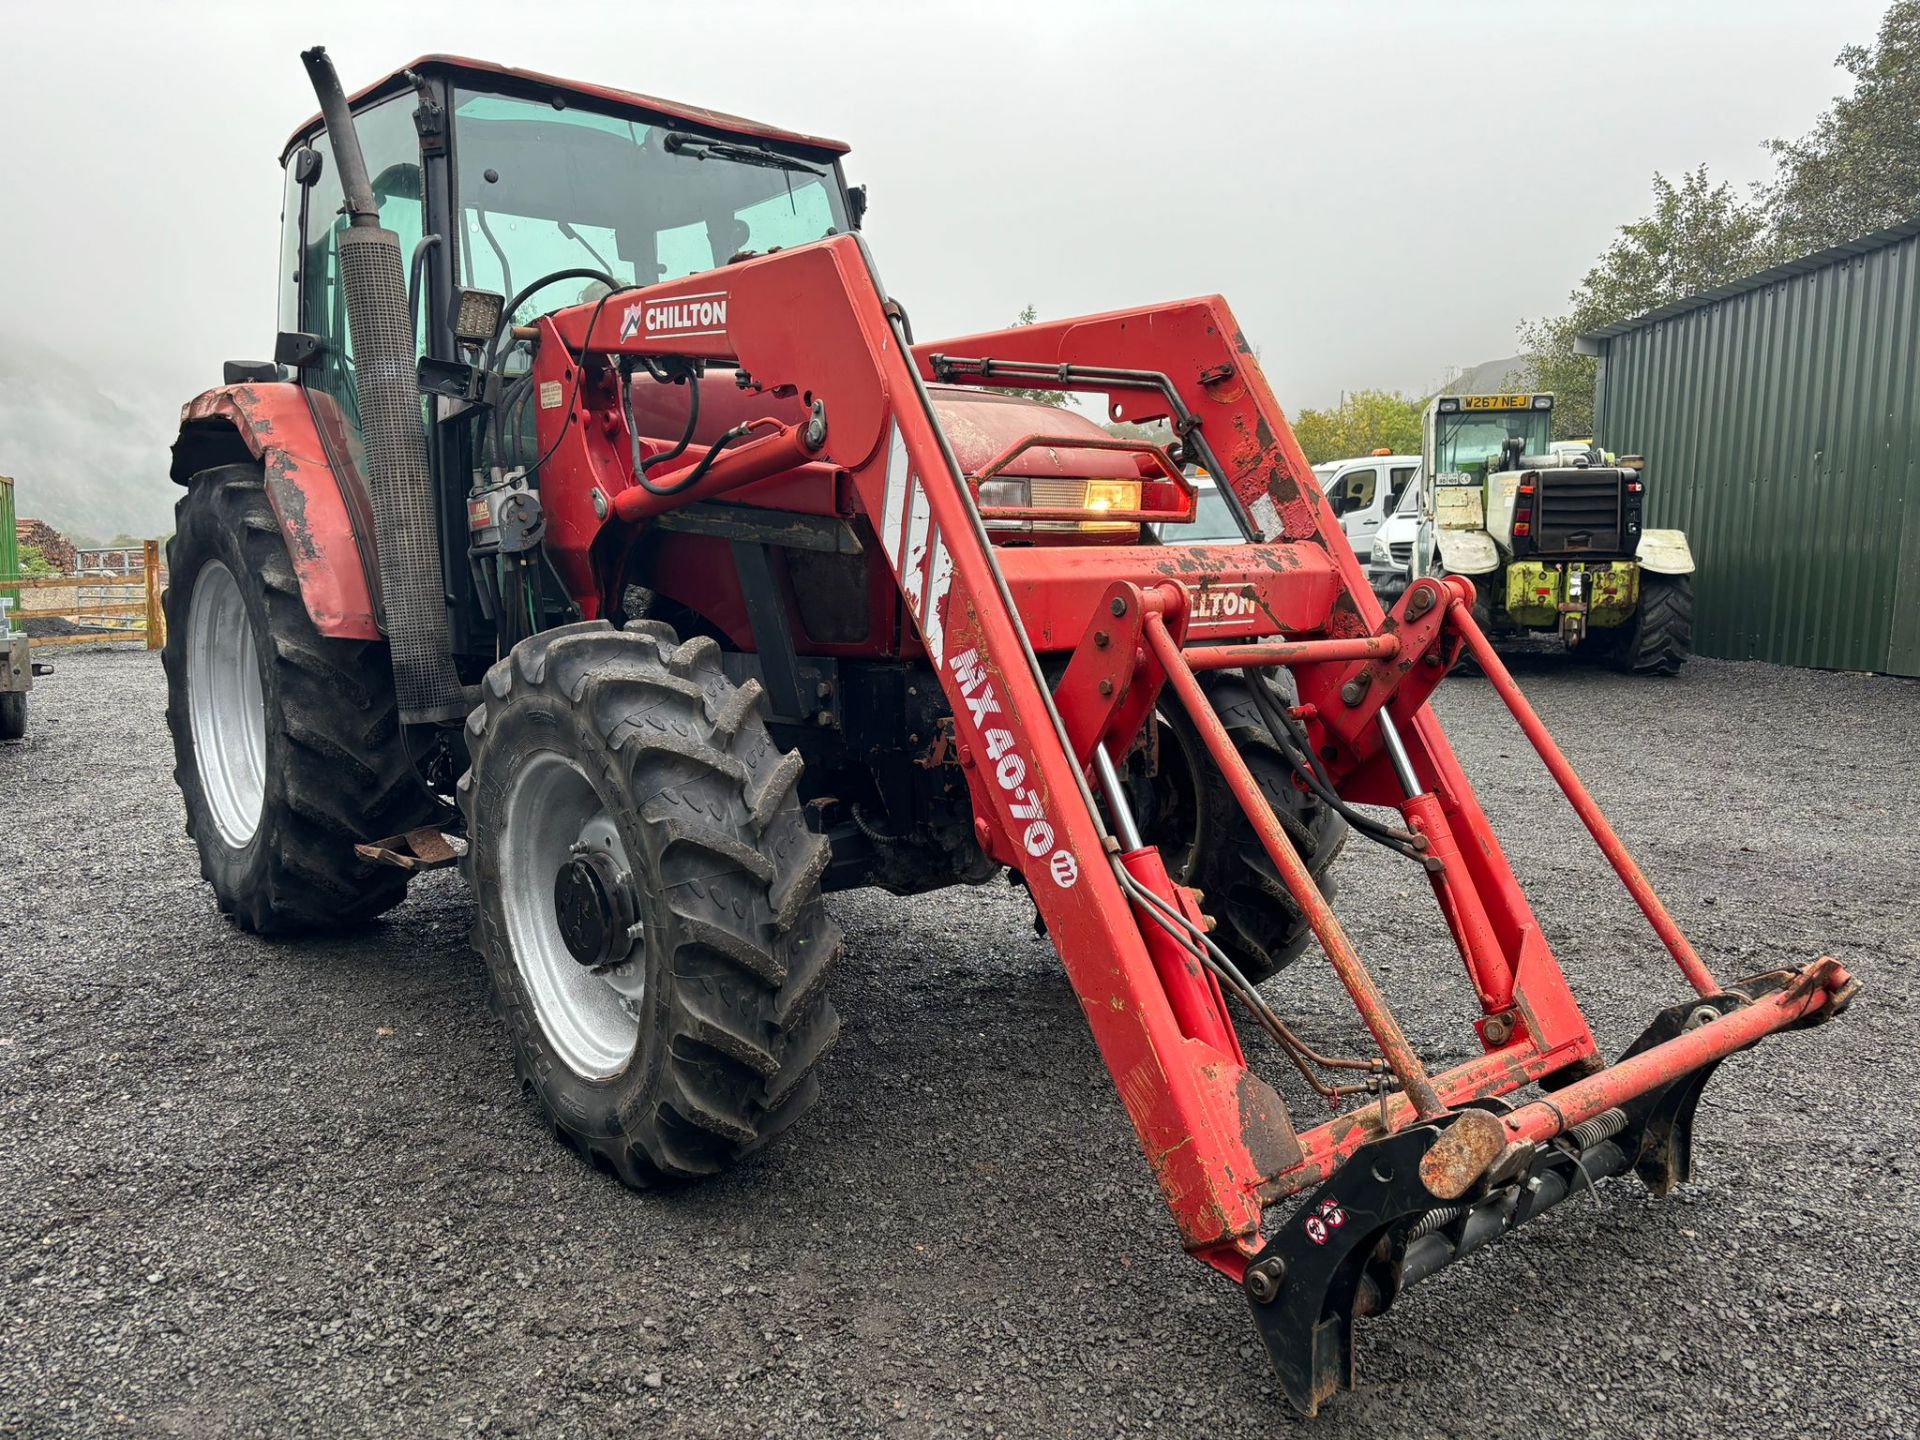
(1780, 420)
(9, 540)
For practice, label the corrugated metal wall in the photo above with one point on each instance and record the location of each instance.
(9, 541)
(1782, 433)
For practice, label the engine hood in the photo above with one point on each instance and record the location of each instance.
(980, 425)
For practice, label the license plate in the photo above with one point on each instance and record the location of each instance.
(1495, 402)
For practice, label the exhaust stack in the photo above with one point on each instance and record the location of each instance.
(406, 529)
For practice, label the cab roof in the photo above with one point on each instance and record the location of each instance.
(487, 75)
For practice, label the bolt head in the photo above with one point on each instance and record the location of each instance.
(1119, 606)
(1264, 1279)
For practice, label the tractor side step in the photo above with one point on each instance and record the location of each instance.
(415, 850)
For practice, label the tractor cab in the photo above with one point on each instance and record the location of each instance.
(515, 196)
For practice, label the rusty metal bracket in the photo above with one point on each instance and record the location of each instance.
(1406, 666)
(1114, 679)
(414, 851)
(1110, 683)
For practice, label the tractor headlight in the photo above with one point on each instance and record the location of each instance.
(1047, 497)
(1003, 494)
(1104, 495)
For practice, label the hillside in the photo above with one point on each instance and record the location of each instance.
(88, 454)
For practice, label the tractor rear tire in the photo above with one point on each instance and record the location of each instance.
(1208, 842)
(1659, 638)
(13, 715)
(631, 756)
(287, 745)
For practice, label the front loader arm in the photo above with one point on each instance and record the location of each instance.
(1385, 1193)
(814, 319)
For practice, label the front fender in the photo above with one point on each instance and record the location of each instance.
(1665, 552)
(311, 462)
(1467, 552)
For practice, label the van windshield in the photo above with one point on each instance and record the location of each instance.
(541, 189)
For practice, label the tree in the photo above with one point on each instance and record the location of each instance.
(1698, 235)
(1858, 169)
(34, 565)
(1055, 398)
(1363, 421)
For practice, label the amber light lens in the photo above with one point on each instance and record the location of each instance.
(1104, 495)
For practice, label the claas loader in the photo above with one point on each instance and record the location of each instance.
(600, 525)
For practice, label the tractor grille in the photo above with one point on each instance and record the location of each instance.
(1578, 511)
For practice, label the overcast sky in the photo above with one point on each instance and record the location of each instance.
(1381, 190)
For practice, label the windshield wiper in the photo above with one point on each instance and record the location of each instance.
(679, 142)
(574, 235)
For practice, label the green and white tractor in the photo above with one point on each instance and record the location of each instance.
(1551, 535)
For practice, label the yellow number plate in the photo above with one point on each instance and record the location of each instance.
(1496, 402)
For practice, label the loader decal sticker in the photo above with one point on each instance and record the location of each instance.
(894, 502)
(934, 623)
(1009, 767)
(1221, 605)
(1326, 1218)
(680, 317)
(912, 565)
(915, 546)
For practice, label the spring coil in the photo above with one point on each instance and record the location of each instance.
(1434, 1220)
(1604, 1126)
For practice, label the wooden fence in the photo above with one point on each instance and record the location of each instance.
(110, 607)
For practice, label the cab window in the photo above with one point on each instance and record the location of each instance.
(1397, 479)
(392, 147)
(541, 190)
(1357, 488)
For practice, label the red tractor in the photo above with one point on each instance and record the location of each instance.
(600, 521)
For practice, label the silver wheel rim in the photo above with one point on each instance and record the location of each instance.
(227, 715)
(590, 1015)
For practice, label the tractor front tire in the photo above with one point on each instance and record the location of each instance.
(287, 745)
(1659, 637)
(13, 714)
(1209, 843)
(647, 899)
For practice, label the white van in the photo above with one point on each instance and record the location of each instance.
(1390, 559)
(1364, 492)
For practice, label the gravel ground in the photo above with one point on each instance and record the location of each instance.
(258, 1189)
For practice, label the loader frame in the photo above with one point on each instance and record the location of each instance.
(1369, 1199)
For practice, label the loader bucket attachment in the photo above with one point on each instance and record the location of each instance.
(1377, 1226)
(1053, 661)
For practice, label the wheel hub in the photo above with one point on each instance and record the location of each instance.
(225, 706)
(571, 907)
(593, 903)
